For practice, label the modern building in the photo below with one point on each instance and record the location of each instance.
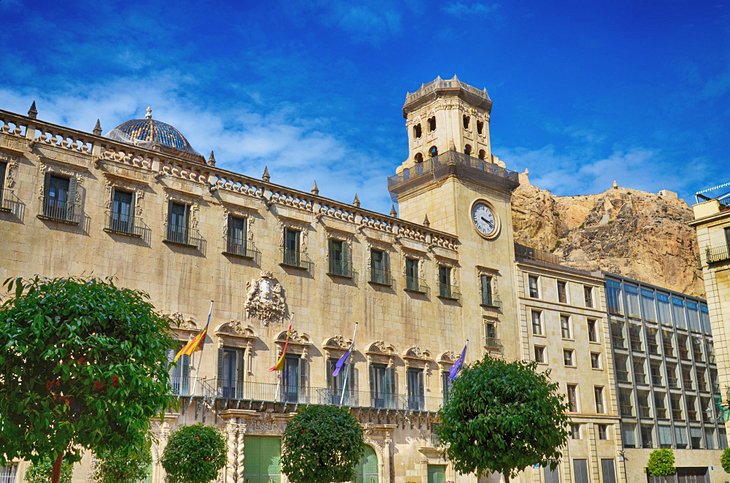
(666, 374)
(142, 205)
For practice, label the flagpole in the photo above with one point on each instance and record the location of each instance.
(349, 365)
(281, 376)
(200, 361)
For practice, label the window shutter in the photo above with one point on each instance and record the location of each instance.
(46, 193)
(71, 200)
(303, 378)
(239, 367)
(372, 380)
(220, 371)
(346, 256)
(390, 378)
(331, 252)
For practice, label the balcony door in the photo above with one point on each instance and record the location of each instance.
(415, 389)
(230, 373)
(122, 211)
(382, 386)
(293, 379)
(180, 375)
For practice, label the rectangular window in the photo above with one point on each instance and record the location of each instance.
(680, 434)
(575, 431)
(592, 330)
(339, 258)
(178, 217)
(236, 237)
(695, 438)
(580, 471)
(444, 281)
(608, 471)
(664, 313)
(652, 340)
(60, 198)
(562, 292)
(291, 247)
(710, 438)
(540, 354)
(412, 274)
(660, 405)
(598, 393)
(415, 389)
(613, 297)
(568, 356)
(640, 370)
(8, 474)
(230, 373)
(382, 386)
(632, 300)
(486, 286)
(676, 402)
(445, 385)
(647, 436)
(490, 329)
(3, 168)
(379, 267)
(628, 430)
(635, 338)
(596, 360)
(693, 315)
(665, 436)
(293, 379)
(179, 375)
(533, 284)
(536, 322)
(340, 388)
(121, 217)
(573, 398)
(626, 402)
(678, 313)
(565, 328)
(588, 295)
(655, 367)
(603, 431)
(647, 304)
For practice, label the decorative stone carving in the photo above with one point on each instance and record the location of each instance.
(12, 167)
(44, 169)
(265, 299)
(179, 321)
(415, 352)
(236, 329)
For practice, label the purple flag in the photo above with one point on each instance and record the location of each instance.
(457, 365)
(341, 362)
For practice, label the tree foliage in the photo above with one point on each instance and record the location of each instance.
(194, 454)
(112, 467)
(725, 460)
(661, 463)
(322, 443)
(83, 364)
(38, 472)
(502, 417)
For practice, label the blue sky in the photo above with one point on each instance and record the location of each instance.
(584, 92)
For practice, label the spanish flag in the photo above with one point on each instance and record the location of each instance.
(195, 344)
(279, 366)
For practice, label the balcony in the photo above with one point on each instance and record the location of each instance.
(416, 285)
(241, 248)
(491, 301)
(295, 259)
(9, 203)
(126, 225)
(529, 253)
(340, 268)
(717, 254)
(181, 235)
(493, 344)
(63, 212)
(451, 163)
(380, 277)
(449, 292)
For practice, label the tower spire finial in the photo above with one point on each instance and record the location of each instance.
(97, 128)
(393, 213)
(315, 188)
(266, 177)
(211, 158)
(33, 112)
(148, 115)
(356, 202)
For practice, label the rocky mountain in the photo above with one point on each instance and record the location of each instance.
(636, 234)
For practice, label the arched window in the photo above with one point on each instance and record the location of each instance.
(480, 127)
(417, 131)
(467, 149)
(482, 154)
(419, 163)
(433, 151)
(418, 158)
(466, 121)
(432, 123)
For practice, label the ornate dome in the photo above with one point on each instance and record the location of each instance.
(153, 134)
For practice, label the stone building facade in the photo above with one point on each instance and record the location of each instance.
(141, 205)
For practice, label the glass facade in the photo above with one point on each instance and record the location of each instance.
(665, 365)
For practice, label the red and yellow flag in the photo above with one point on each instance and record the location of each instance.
(195, 344)
(279, 366)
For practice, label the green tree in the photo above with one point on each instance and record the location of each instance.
(194, 454)
(661, 463)
(38, 472)
(725, 460)
(502, 417)
(83, 365)
(112, 467)
(322, 443)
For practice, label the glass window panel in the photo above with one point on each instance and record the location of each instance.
(663, 310)
(647, 304)
(678, 313)
(693, 315)
(665, 436)
(632, 300)
(628, 430)
(613, 296)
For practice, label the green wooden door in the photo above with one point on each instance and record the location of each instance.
(436, 473)
(262, 455)
(367, 468)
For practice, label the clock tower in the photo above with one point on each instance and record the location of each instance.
(452, 179)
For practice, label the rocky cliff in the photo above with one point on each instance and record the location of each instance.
(636, 234)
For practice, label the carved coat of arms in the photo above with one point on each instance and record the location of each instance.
(265, 299)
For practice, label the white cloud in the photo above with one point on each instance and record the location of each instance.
(465, 10)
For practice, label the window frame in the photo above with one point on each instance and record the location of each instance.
(569, 357)
(574, 405)
(540, 325)
(543, 354)
(588, 299)
(385, 278)
(567, 327)
(533, 290)
(562, 291)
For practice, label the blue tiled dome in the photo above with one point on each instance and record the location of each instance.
(151, 133)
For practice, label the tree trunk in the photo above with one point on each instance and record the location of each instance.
(56, 471)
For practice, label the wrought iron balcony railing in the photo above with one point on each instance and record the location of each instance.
(241, 248)
(65, 212)
(341, 268)
(295, 259)
(380, 277)
(417, 285)
(450, 292)
(717, 254)
(181, 235)
(121, 224)
(9, 203)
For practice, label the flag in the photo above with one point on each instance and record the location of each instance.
(279, 366)
(343, 360)
(197, 343)
(459, 362)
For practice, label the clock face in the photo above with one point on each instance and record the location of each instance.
(484, 219)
